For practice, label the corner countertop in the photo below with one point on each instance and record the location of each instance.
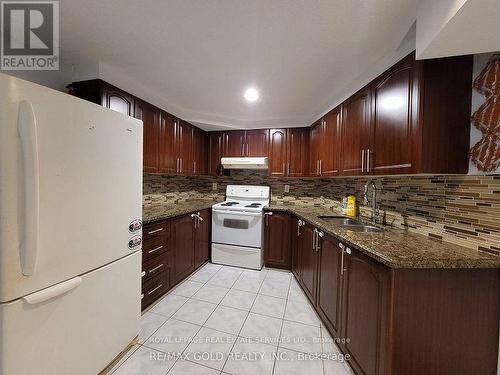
(394, 247)
(161, 211)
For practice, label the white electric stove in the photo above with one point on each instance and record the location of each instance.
(237, 226)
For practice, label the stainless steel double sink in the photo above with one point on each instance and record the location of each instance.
(350, 224)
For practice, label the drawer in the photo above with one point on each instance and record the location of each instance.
(155, 288)
(155, 231)
(153, 248)
(155, 266)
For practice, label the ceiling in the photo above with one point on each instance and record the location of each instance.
(195, 58)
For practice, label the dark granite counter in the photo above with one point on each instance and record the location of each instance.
(394, 247)
(155, 212)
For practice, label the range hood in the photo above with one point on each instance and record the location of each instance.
(244, 163)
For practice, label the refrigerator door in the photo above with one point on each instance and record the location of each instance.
(79, 331)
(70, 186)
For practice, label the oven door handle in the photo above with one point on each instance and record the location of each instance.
(239, 213)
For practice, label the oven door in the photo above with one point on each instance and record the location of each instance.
(237, 228)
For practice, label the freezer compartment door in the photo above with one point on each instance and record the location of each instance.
(74, 331)
(70, 186)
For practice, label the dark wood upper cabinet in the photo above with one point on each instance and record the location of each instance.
(167, 147)
(234, 143)
(185, 147)
(364, 315)
(277, 251)
(288, 152)
(257, 142)
(278, 160)
(216, 147)
(330, 283)
(314, 147)
(393, 121)
(150, 117)
(298, 152)
(330, 143)
(202, 238)
(182, 245)
(200, 152)
(118, 100)
(355, 133)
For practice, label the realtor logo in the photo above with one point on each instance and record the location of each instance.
(29, 35)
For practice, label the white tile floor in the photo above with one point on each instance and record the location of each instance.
(226, 320)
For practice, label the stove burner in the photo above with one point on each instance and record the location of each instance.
(254, 205)
(229, 203)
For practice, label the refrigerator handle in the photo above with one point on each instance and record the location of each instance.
(27, 130)
(53, 291)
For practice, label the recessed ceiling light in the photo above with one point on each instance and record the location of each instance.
(251, 95)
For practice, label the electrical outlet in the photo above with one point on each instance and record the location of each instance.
(287, 188)
(214, 186)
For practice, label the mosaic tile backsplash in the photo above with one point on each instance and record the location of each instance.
(460, 209)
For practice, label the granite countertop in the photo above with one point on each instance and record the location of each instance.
(394, 247)
(155, 212)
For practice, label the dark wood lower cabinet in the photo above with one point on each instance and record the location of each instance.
(172, 249)
(308, 259)
(202, 238)
(330, 273)
(364, 312)
(277, 251)
(399, 321)
(182, 243)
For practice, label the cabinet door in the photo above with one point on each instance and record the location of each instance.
(330, 283)
(118, 100)
(278, 165)
(295, 238)
(315, 142)
(330, 142)
(150, 117)
(185, 147)
(355, 133)
(392, 121)
(167, 146)
(298, 152)
(308, 263)
(257, 142)
(216, 151)
(200, 152)
(365, 290)
(277, 251)
(182, 246)
(234, 143)
(202, 240)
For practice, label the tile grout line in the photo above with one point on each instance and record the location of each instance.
(281, 328)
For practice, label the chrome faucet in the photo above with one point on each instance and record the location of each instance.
(371, 184)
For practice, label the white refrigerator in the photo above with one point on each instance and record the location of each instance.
(70, 233)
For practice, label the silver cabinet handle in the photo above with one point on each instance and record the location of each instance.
(143, 273)
(193, 216)
(368, 161)
(243, 149)
(155, 289)
(155, 249)
(299, 224)
(320, 167)
(348, 250)
(362, 160)
(155, 231)
(156, 268)
(315, 234)
(194, 167)
(319, 235)
(199, 216)
(341, 245)
(247, 149)
(267, 214)
(180, 165)
(342, 259)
